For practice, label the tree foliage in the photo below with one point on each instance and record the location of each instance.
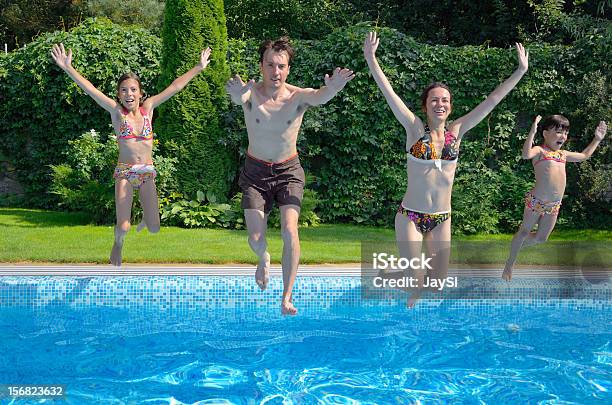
(22, 20)
(448, 22)
(147, 14)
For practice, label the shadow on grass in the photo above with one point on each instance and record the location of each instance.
(27, 218)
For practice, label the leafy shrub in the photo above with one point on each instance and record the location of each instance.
(474, 196)
(148, 14)
(203, 212)
(304, 19)
(206, 212)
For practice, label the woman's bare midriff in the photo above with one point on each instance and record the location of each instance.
(429, 188)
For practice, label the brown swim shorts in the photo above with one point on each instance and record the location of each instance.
(263, 182)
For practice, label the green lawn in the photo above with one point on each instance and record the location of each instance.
(47, 236)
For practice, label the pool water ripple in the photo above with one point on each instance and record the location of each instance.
(113, 355)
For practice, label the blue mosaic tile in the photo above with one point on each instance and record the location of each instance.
(311, 294)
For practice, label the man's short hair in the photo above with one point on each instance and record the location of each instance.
(281, 44)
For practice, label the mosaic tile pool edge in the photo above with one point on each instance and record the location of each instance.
(313, 294)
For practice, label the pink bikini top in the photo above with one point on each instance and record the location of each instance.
(126, 131)
(548, 154)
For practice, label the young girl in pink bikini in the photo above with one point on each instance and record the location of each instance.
(542, 203)
(131, 117)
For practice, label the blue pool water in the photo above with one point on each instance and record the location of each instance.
(109, 343)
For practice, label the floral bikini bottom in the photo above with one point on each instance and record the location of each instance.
(541, 207)
(424, 222)
(135, 173)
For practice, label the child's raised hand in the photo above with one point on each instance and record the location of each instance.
(600, 131)
(204, 61)
(537, 120)
(59, 55)
(523, 57)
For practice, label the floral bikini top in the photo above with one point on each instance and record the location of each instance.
(126, 131)
(425, 149)
(549, 154)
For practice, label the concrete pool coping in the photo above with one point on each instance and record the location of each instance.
(324, 270)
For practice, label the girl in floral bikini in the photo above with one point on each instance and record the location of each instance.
(542, 203)
(131, 118)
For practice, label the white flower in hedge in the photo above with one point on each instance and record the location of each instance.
(93, 133)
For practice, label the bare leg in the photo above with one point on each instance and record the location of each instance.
(438, 246)
(150, 207)
(530, 218)
(409, 241)
(290, 215)
(546, 224)
(257, 223)
(123, 208)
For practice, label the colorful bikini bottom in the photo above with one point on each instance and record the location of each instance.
(135, 173)
(424, 222)
(541, 207)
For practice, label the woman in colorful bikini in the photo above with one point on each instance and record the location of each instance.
(542, 203)
(131, 117)
(432, 150)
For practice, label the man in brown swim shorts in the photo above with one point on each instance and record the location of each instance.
(273, 112)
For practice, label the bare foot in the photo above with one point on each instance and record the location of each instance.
(416, 291)
(414, 297)
(507, 273)
(115, 257)
(287, 308)
(262, 274)
(141, 226)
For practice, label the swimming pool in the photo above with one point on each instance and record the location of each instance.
(217, 339)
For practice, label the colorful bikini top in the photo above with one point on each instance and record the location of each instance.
(425, 149)
(126, 131)
(549, 154)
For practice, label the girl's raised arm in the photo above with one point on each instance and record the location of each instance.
(64, 61)
(179, 83)
(530, 151)
(600, 133)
